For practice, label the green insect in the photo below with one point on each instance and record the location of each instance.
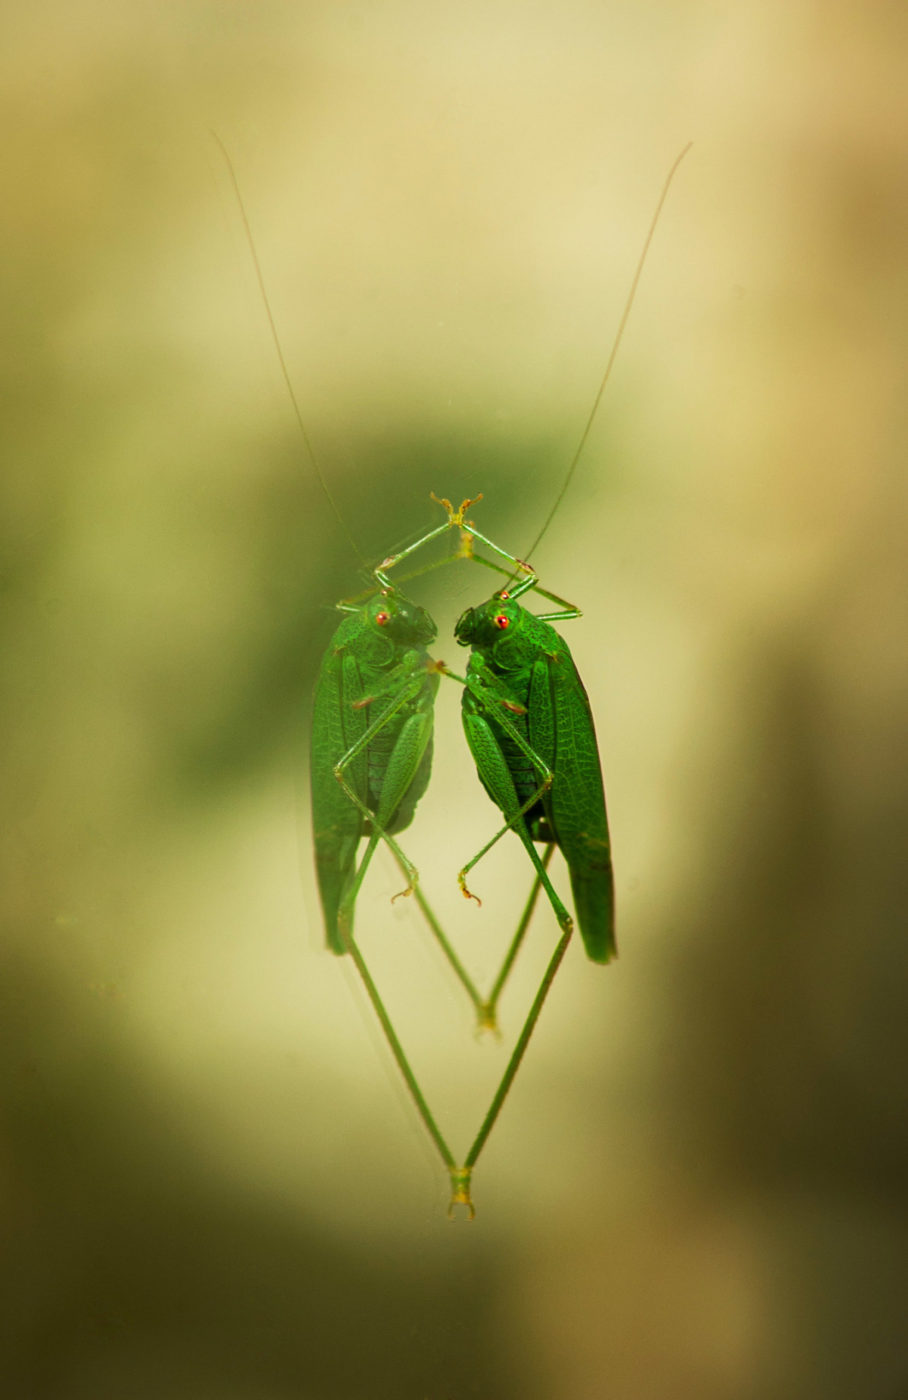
(530, 730)
(371, 746)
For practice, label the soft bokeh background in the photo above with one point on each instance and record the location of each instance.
(212, 1184)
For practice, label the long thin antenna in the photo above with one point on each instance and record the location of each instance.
(611, 359)
(280, 353)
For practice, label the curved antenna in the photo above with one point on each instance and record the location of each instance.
(280, 353)
(611, 359)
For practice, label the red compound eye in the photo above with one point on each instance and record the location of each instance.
(502, 621)
(382, 617)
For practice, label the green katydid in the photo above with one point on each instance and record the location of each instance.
(371, 750)
(530, 730)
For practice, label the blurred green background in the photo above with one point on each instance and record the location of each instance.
(211, 1182)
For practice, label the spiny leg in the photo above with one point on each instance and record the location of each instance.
(516, 823)
(520, 576)
(496, 774)
(479, 1003)
(491, 1004)
(518, 568)
(406, 865)
(486, 1007)
(455, 520)
(461, 1176)
(397, 1051)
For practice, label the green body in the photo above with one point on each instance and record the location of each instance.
(530, 729)
(371, 749)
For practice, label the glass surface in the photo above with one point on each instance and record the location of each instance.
(212, 1182)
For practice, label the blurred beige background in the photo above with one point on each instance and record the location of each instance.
(211, 1182)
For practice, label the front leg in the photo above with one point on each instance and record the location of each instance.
(486, 698)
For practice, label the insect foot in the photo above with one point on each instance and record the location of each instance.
(467, 894)
(487, 1019)
(456, 517)
(460, 1191)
